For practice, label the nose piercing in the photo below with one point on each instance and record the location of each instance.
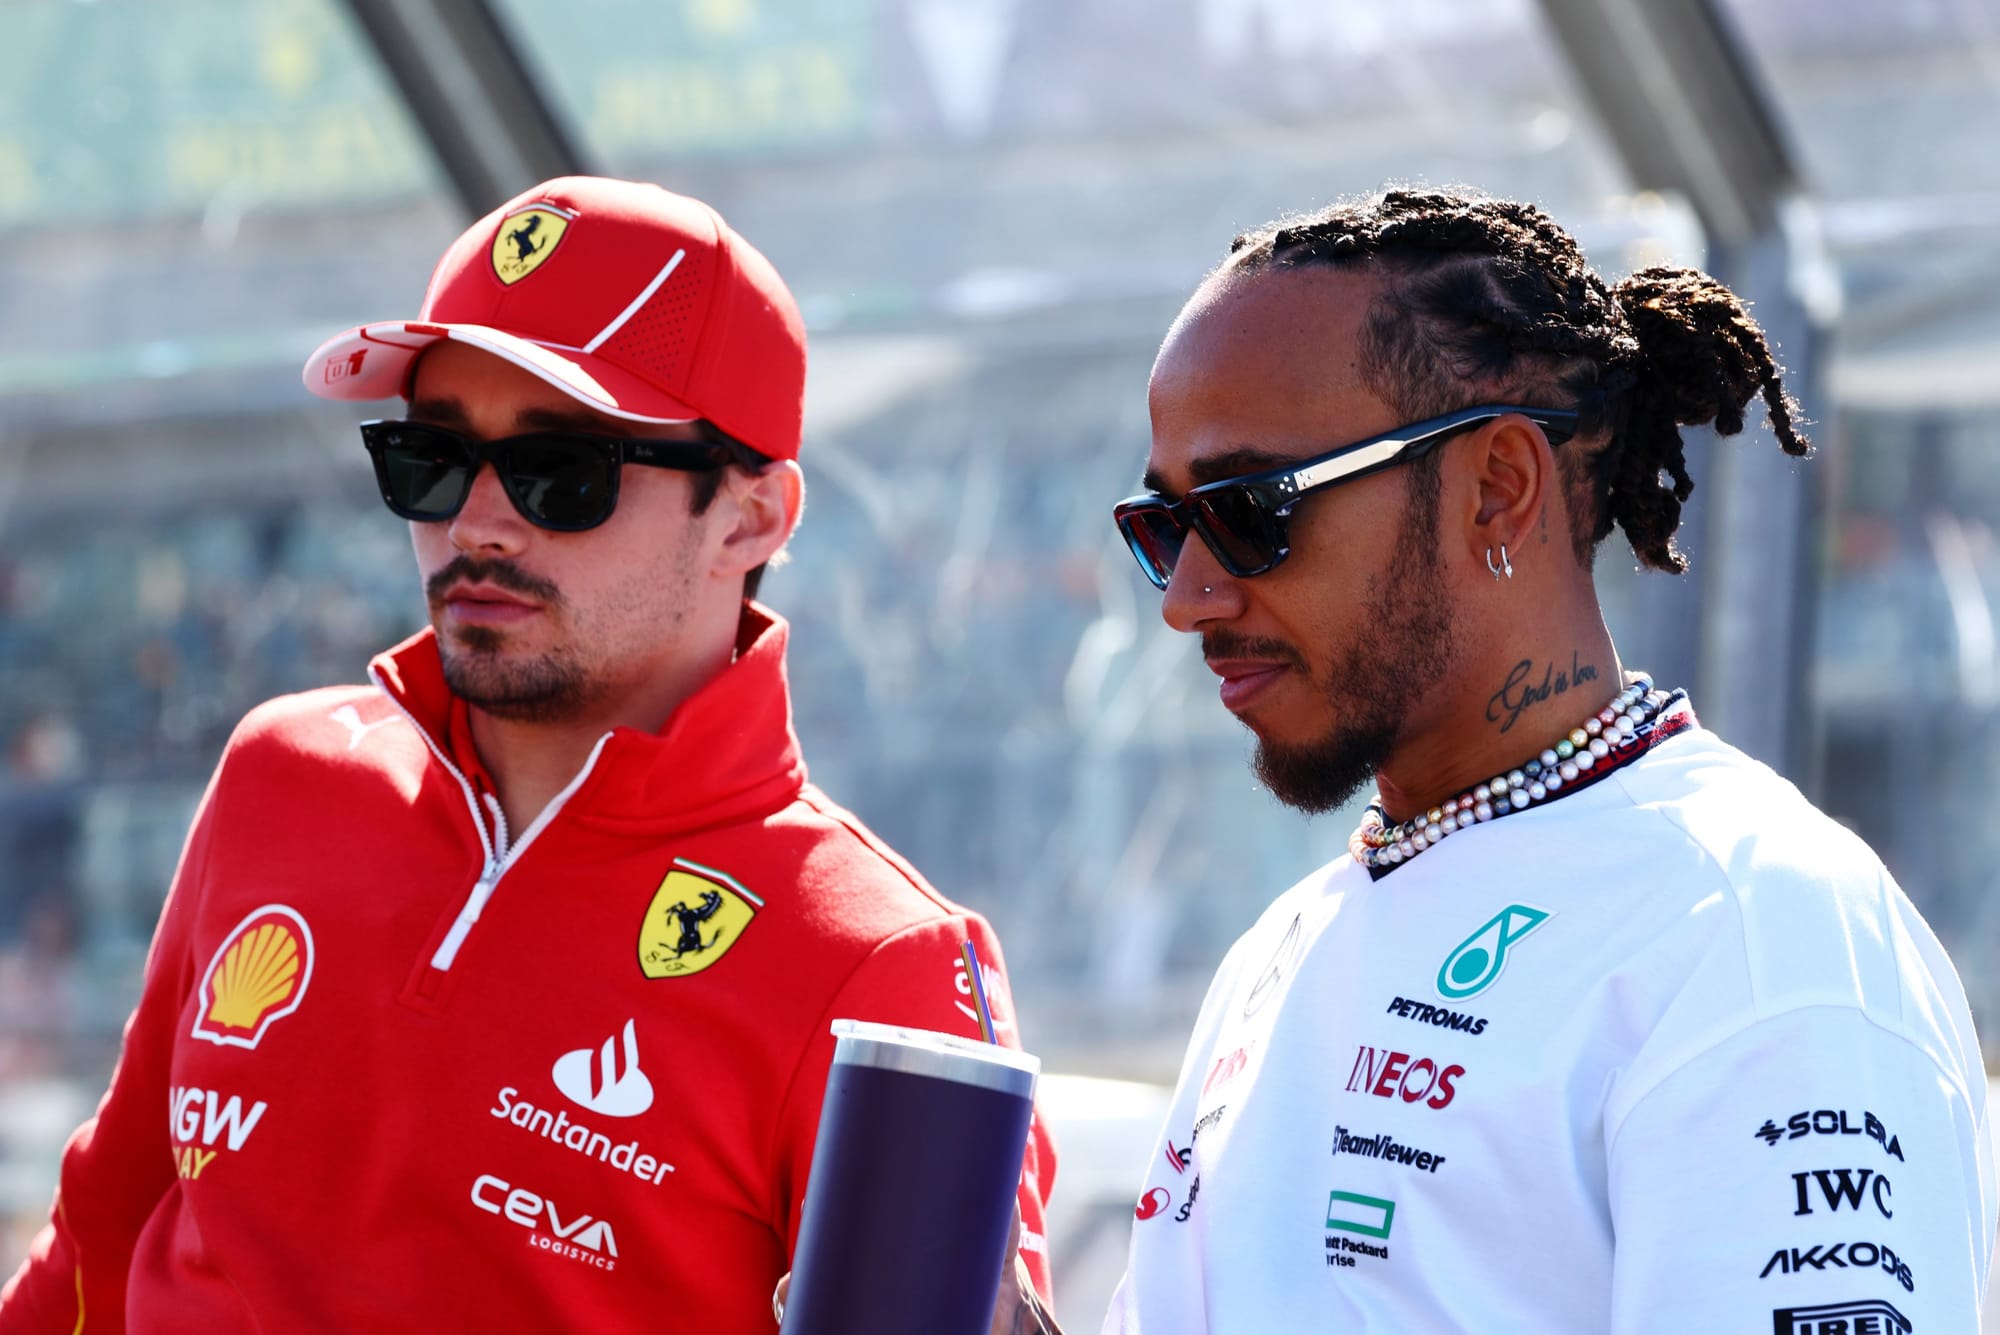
(1206, 589)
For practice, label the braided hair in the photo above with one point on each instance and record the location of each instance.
(1483, 298)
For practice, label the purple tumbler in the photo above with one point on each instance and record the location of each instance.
(912, 1188)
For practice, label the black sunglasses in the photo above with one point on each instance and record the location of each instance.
(1242, 519)
(560, 480)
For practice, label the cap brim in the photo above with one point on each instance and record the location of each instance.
(373, 361)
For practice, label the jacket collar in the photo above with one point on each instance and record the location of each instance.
(727, 754)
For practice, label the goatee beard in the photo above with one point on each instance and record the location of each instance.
(548, 689)
(1324, 774)
(545, 689)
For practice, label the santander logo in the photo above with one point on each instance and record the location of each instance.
(594, 1078)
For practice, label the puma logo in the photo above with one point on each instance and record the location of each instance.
(356, 729)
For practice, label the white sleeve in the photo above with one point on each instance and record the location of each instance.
(1811, 1173)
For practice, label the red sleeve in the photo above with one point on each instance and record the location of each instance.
(118, 1166)
(917, 978)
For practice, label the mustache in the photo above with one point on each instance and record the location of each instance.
(1228, 644)
(501, 574)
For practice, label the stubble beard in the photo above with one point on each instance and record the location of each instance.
(1377, 679)
(546, 688)
(480, 668)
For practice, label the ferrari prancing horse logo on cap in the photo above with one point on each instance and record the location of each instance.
(526, 238)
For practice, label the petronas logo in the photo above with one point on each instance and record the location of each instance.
(1475, 964)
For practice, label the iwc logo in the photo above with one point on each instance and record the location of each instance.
(258, 975)
(696, 915)
(527, 237)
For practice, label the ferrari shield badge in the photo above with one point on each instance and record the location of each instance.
(526, 238)
(696, 915)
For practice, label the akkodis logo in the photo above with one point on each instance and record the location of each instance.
(1475, 963)
(594, 1078)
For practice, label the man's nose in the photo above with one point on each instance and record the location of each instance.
(1200, 591)
(488, 522)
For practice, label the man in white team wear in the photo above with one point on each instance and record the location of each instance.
(1601, 1026)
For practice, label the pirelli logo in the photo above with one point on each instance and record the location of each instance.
(1873, 1317)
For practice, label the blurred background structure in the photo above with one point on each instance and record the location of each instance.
(990, 210)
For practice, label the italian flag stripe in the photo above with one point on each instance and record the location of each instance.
(721, 876)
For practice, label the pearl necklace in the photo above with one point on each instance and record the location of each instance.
(1607, 739)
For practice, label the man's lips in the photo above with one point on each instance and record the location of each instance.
(1244, 679)
(487, 605)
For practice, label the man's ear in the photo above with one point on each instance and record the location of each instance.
(1515, 482)
(763, 509)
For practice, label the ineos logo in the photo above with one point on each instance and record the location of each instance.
(1389, 1075)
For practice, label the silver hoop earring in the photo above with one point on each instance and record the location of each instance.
(1505, 568)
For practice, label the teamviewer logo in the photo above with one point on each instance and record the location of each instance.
(1874, 1317)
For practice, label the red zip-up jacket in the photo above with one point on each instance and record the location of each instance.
(394, 1069)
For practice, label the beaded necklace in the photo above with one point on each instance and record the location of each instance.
(1616, 735)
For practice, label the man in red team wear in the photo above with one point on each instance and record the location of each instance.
(497, 992)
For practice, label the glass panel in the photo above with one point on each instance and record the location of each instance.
(120, 109)
(1908, 681)
(942, 161)
(210, 188)
(1894, 110)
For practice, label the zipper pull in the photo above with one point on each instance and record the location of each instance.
(461, 926)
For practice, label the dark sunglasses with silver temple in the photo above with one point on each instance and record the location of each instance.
(1243, 519)
(566, 481)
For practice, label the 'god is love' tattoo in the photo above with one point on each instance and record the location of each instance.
(1520, 692)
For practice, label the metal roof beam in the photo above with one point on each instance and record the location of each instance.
(1682, 103)
(471, 94)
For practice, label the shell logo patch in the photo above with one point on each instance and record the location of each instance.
(258, 975)
(696, 915)
(527, 237)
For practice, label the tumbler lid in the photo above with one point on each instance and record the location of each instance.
(954, 1057)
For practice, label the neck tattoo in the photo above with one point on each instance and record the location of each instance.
(1616, 735)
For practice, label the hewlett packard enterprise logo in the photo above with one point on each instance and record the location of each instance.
(1873, 1317)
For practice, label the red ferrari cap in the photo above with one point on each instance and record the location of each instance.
(634, 300)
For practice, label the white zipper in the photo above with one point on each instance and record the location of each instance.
(499, 827)
(497, 859)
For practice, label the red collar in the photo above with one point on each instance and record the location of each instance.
(727, 754)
